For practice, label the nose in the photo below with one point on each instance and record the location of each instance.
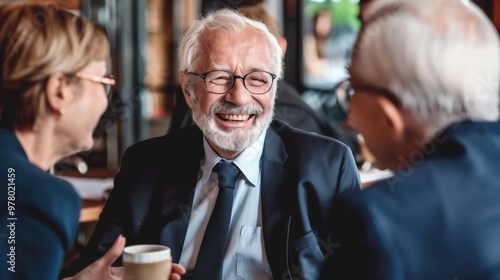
(238, 95)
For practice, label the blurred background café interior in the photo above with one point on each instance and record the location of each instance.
(144, 36)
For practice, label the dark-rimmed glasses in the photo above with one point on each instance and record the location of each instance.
(221, 81)
(344, 92)
(107, 81)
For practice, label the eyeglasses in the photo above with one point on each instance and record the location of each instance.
(221, 81)
(107, 81)
(344, 92)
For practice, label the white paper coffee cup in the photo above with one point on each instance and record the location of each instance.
(147, 262)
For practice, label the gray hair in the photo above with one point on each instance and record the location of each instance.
(439, 57)
(229, 21)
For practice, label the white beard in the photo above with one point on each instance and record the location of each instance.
(233, 139)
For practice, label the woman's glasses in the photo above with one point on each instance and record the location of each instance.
(107, 81)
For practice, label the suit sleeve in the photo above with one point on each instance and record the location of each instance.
(113, 221)
(359, 253)
(349, 180)
(46, 226)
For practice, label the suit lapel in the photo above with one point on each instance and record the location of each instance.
(179, 186)
(168, 191)
(177, 179)
(275, 213)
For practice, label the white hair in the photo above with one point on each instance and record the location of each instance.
(229, 21)
(439, 57)
(375, 5)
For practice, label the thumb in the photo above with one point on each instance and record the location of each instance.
(114, 252)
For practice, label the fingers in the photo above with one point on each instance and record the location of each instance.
(177, 268)
(175, 277)
(116, 272)
(114, 252)
(101, 269)
(177, 271)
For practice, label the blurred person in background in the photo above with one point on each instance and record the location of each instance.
(317, 59)
(425, 96)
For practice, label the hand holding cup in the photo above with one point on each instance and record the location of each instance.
(151, 262)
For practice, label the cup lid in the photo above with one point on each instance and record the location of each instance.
(146, 253)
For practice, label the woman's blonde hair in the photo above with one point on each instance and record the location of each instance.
(38, 40)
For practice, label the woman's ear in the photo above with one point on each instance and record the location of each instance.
(187, 96)
(57, 92)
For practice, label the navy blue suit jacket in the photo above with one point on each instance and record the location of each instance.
(301, 175)
(44, 215)
(437, 220)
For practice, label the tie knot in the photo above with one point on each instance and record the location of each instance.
(227, 173)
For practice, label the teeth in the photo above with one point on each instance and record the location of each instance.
(235, 117)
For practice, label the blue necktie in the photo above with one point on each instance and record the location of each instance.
(213, 246)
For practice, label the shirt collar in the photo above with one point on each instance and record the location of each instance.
(245, 161)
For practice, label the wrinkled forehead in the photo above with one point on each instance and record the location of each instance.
(247, 48)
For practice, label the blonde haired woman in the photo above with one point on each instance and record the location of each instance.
(53, 90)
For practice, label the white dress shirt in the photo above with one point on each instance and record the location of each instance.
(245, 256)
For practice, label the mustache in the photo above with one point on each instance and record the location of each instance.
(224, 107)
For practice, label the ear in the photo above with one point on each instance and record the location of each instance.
(187, 96)
(393, 118)
(57, 93)
(283, 44)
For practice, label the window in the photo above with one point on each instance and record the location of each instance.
(329, 31)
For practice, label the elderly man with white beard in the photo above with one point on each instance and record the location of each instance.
(267, 218)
